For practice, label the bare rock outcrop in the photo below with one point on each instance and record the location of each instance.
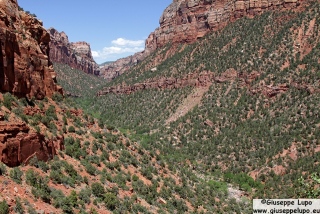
(184, 21)
(76, 55)
(115, 69)
(206, 78)
(25, 68)
(18, 144)
(196, 80)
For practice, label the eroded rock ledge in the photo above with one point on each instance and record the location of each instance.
(18, 145)
(205, 79)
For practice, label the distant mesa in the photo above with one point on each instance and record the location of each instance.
(75, 54)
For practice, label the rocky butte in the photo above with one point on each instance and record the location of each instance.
(77, 55)
(185, 21)
(25, 68)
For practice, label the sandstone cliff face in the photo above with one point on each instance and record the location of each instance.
(77, 55)
(18, 146)
(184, 21)
(25, 68)
(188, 20)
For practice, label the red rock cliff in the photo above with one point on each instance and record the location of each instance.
(77, 55)
(187, 20)
(18, 145)
(184, 21)
(25, 68)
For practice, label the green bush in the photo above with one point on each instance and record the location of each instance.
(111, 201)
(57, 97)
(4, 207)
(18, 208)
(84, 195)
(3, 169)
(71, 129)
(51, 112)
(7, 100)
(31, 177)
(97, 189)
(16, 175)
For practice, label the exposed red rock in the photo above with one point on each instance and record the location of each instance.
(164, 83)
(188, 20)
(25, 68)
(77, 55)
(115, 69)
(184, 21)
(205, 79)
(18, 146)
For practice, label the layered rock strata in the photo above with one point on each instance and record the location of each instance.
(206, 79)
(25, 68)
(77, 55)
(163, 83)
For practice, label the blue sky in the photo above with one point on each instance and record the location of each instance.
(114, 28)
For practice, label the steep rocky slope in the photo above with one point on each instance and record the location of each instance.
(25, 68)
(75, 54)
(185, 21)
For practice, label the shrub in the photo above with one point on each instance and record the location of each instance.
(97, 189)
(31, 210)
(111, 201)
(3, 169)
(90, 169)
(57, 97)
(4, 207)
(7, 100)
(31, 177)
(51, 112)
(71, 129)
(18, 207)
(16, 175)
(84, 195)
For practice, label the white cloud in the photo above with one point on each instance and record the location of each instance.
(125, 42)
(120, 48)
(94, 54)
